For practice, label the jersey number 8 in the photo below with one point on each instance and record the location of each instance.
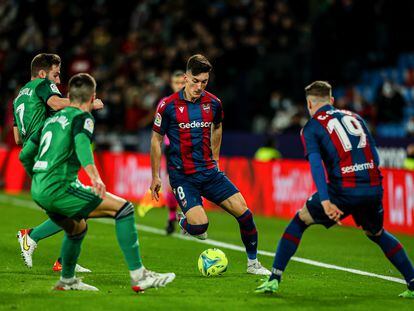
(348, 125)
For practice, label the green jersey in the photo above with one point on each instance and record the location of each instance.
(64, 145)
(30, 106)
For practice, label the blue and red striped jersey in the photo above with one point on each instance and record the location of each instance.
(188, 127)
(347, 149)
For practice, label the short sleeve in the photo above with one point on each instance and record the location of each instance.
(83, 123)
(219, 114)
(309, 140)
(46, 89)
(161, 118)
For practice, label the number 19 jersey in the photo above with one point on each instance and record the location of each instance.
(57, 164)
(347, 149)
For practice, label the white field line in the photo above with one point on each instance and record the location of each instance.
(30, 204)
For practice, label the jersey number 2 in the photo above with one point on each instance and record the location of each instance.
(348, 125)
(45, 142)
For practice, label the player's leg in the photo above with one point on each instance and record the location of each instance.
(123, 213)
(75, 232)
(311, 213)
(372, 222)
(194, 220)
(219, 189)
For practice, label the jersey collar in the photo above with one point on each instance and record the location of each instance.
(324, 108)
(181, 95)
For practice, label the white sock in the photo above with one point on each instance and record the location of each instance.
(137, 273)
(67, 280)
(251, 261)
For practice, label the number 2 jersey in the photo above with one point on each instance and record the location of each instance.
(64, 144)
(347, 149)
(30, 107)
(188, 127)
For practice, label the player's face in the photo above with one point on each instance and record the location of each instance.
(177, 83)
(54, 74)
(195, 85)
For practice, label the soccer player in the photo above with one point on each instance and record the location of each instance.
(191, 119)
(341, 140)
(62, 147)
(36, 100)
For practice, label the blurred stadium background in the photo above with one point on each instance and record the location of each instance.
(264, 52)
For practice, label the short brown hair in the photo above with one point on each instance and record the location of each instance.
(197, 64)
(319, 89)
(44, 62)
(81, 88)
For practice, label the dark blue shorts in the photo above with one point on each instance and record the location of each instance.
(367, 211)
(211, 184)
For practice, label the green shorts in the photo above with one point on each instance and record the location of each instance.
(76, 201)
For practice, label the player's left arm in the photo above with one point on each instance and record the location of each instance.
(216, 137)
(83, 127)
(28, 154)
(217, 130)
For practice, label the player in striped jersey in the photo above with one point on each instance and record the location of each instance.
(191, 119)
(341, 140)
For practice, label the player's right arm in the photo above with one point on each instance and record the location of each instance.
(83, 126)
(159, 129)
(17, 137)
(156, 152)
(312, 153)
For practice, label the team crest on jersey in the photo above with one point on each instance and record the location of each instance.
(54, 88)
(181, 109)
(158, 119)
(206, 107)
(88, 125)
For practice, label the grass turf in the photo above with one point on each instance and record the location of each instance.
(304, 287)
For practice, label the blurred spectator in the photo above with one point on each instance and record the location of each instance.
(268, 151)
(409, 161)
(390, 104)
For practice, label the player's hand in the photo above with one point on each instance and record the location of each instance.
(155, 188)
(97, 104)
(98, 187)
(332, 211)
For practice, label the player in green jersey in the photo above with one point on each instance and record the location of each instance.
(36, 100)
(62, 147)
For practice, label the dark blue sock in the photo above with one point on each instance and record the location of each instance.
(287, 246)
(193, 229)
(395, 253)
(248, 233)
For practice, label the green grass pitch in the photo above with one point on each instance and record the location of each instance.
(304, 287)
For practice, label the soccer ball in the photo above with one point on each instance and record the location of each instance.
(212, 262)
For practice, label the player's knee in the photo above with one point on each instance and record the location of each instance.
(305, 216)
(81, 230)
(126, 210)
(371, 234)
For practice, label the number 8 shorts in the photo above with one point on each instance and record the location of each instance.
(211, 184)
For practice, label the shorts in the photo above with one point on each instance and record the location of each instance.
(77, 201)
(367, 211)
(211, 184)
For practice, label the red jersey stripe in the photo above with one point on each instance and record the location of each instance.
(345, 158)
(207, 116)
(186, 147)
(374, 174)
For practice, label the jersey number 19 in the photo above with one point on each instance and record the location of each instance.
(347, 125)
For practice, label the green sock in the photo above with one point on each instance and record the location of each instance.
(71, 248)
(127, 236)
(44, 230)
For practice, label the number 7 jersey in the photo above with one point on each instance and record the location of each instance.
(347, 149)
